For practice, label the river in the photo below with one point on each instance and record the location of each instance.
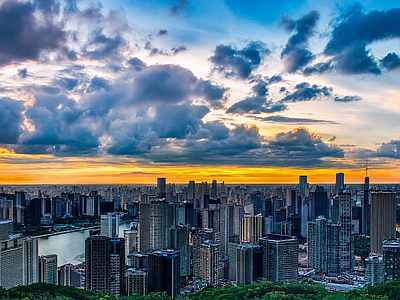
(69, 246)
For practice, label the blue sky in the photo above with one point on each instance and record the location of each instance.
(300, 85)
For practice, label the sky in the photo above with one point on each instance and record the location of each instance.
(123, 92)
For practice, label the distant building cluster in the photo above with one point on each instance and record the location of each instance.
(189, 236)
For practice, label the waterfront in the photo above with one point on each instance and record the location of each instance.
(69, 246)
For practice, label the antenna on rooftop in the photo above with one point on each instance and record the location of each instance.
(366, 165)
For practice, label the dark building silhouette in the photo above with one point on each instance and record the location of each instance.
(164, 272)
(105, 264)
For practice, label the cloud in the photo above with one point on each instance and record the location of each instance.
(300, 143)
(319, 68)
(101, 46)
(162, 32)
(179, 7)
(256, 105)
(306, 92)
(213, 94)
(391, 61)
(390, 149)
(260, 88)
(283, 119)
(137, 64)
(239, 63)
(24, 34)
(97, 83)
(23, 73)
(178, 49)
(11, 120)
(347, 98)
(295, 55)
(354, 31)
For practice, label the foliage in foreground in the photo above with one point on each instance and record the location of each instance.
(263, 290)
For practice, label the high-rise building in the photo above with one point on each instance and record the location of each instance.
(105, 259)
(210, 262)
(302, 186)
(252, 228)
(131, 237)
(164, 272)
(136, 282)
(214, 189)
(226, 224)
(366, 208)
(374, 272)
(383, 219)
(339, 183)
(110, 224)
(30, 260)
(391, 262)
(346, 239)
(197, 238)
(280, 257)
(318, 205)
(161, 187)
(333, 248)
(6, 229)
(244, 264)
(191, 191)
(317, 244)
(232, 254)
(180, 241)
(48, 269)
(11, 263)
(155, 220)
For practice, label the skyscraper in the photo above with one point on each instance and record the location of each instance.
(383, 219)
(179, 240)
(48, 269)
(30, 260)
(346, 239)
(164, 272)
(6, 229)
(366, 208)
(155, 221)
(339, 183)
(391, 262)
(319, 203)
(244, 264)
(280, 257)
(374, 272)
(105, 258)
(252, 228)
(11, 263)
(110, 224)
(161, 187)
(333, 248)
(210, 262)
(303, 186)
(317, 244)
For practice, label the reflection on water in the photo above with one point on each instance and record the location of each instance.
(69, 247)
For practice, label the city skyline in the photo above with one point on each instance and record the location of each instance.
(194, 90)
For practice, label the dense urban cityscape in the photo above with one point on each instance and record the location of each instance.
(182, 238)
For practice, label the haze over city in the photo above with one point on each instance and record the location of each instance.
(127, 91)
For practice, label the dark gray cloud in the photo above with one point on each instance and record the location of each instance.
(61, 128)
(347, 98)
(390, 149)
(391, 61)
(162, 32)
(178, 49)
(97, 84)
(213, 94)
(260, 88)
(24, 35)
(355, 30)
(300, 143)
(283, 119)
(11, 120)
(239, 63)
(319, 68)
(295, 54)
(66, 83)
(179, 7)
(104, 46)
(306, 92)
(48, 6)
(23, 73)
(256, 105)
(137, 64)
(274, 79)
